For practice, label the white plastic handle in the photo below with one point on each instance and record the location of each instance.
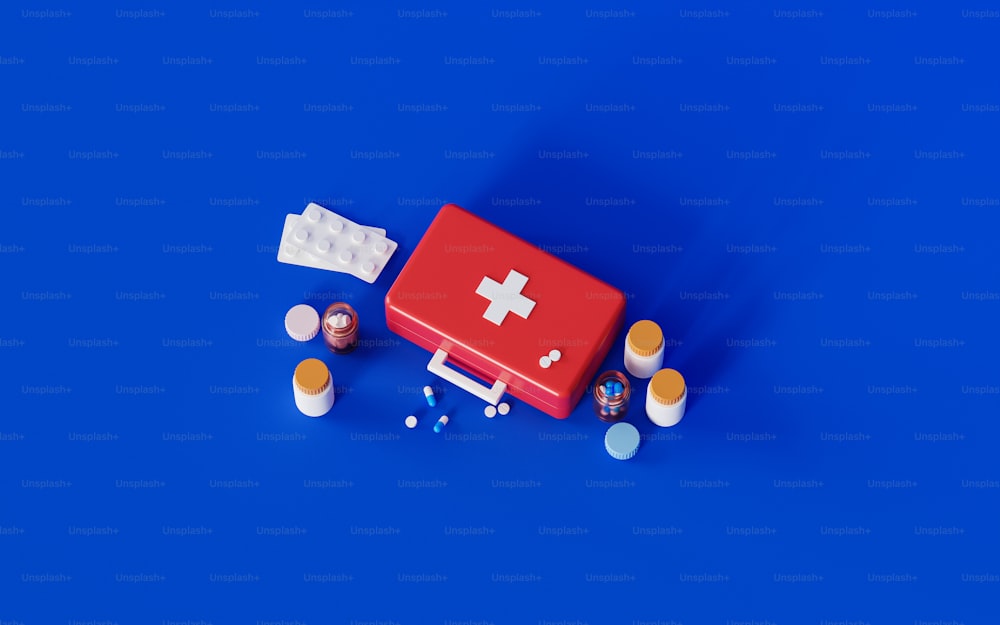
(490, 395)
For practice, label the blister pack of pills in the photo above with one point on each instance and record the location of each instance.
(291, 255)
(322, 239)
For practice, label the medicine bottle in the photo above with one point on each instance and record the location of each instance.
(644, 349)
(611, 396)
(340, 328)
(666, 398)
(312, 387)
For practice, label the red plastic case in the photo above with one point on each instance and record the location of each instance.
(492, 304)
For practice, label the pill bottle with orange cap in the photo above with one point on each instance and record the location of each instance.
(666, 397)
(644, 349)
(313, 388)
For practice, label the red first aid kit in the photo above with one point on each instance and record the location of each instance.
(518, 318)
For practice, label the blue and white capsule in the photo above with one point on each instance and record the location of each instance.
(443, 421)
(429, 394)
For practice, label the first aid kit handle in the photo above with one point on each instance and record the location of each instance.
(491, 395)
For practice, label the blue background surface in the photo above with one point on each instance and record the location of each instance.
(804, 197)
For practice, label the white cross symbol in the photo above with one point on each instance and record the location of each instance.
(506, 297)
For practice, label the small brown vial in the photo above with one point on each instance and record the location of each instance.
(611, 396)
(340, 328)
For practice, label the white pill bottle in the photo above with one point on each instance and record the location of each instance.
(666, 398)
(644, 349)
(313, 388)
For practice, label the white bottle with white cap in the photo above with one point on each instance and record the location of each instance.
(313, 388)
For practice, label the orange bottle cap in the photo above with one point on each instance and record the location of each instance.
(311, 376)
(667, 386)
(645, 338)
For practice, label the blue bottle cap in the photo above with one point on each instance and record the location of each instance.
(622, 441)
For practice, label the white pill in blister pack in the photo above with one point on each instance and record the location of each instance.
(339, 244)
(289, 254)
